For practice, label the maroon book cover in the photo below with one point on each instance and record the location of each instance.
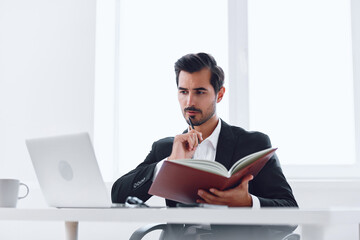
(180, 183)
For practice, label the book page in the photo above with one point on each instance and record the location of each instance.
(245, 161)
(205, 165)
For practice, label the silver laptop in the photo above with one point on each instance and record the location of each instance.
(67, 171)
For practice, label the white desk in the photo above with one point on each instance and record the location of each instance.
(314, 222)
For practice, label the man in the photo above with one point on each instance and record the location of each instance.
(200, 87)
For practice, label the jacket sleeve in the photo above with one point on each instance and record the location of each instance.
(270, 185)
(137, 182)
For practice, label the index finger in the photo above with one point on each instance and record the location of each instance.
(198, 134)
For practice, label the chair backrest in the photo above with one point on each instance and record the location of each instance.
(171, 230)
(292, 236)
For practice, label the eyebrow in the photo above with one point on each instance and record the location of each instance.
(196, 89)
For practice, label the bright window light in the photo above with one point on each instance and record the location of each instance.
(153, 35)
(301, 79)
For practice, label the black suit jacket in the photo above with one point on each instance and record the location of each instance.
(270, 185)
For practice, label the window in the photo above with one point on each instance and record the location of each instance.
(290, 72)
(301, 79)
(152, 35)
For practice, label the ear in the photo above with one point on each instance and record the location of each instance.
(220, 94)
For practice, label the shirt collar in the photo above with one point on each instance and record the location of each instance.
(214, 136)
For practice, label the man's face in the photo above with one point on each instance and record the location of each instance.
(197, 96)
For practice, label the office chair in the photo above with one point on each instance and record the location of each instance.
(142, 231)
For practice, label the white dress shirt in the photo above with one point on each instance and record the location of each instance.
(207, 150)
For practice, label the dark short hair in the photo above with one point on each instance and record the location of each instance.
(195, 62)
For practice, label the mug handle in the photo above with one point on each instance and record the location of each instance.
(27, 190)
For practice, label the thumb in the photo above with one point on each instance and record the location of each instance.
(246, 180)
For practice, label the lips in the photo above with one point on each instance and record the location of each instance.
(192, 113)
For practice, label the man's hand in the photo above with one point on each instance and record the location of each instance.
(235, 197)
(185, 145)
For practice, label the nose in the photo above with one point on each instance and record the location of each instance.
(190, 99)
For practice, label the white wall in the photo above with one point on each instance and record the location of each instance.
(47, 58)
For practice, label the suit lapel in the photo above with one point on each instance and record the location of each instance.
(226, 146)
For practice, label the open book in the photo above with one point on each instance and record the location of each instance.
(179, 180)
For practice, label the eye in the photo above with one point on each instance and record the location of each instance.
(200, 92)
(183, 92)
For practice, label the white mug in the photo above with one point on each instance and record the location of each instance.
(9, 192)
